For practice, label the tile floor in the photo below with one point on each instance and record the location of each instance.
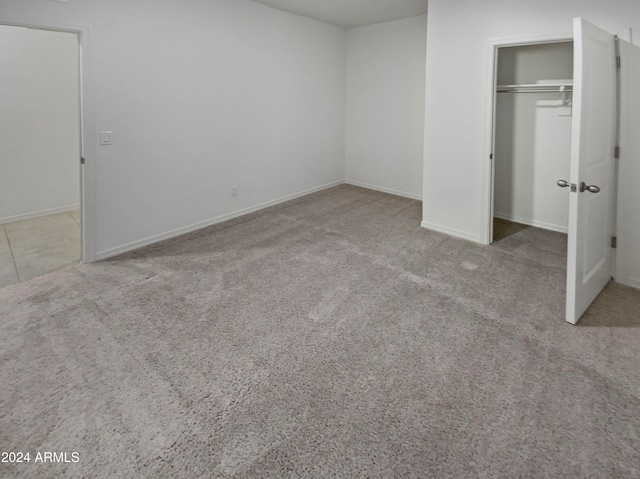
(37, 246)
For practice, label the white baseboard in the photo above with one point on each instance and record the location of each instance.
(530, 222)
(203, 224)
(36, 214)
(383, 190)
(465, 235)
(632, 282)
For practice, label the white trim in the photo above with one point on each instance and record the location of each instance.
(89, 207)
(632, 282)
(532, 40)
(486, 200)
(488, 173)
(383, 190)
(204, 224)
(36, 214)
(530, 222)
(465, 235)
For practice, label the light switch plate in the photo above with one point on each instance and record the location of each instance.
(105, 138)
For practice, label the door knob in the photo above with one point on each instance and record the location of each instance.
(563, 184)
(590, 188)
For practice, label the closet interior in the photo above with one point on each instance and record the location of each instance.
(534, 85)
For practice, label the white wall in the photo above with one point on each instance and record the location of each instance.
(628, 257)
(457, 97)
(457, 132)
(200, 96)
(39, 123)
(533, 137)
(385, 106)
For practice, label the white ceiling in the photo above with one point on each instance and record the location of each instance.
(351, 13)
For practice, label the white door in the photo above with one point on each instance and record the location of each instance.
(591, 203)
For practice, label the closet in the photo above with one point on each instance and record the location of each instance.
(533, 134)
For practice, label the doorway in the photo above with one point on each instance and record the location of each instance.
(591, 182)
(531, 137)
(41, 147)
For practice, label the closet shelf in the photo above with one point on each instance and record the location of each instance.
(536, 88)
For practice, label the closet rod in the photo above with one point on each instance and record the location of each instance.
(537, 87)
(546, 90)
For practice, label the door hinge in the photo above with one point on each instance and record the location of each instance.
(618, 62)
(82, 160)
(616, 153)
(614, 241)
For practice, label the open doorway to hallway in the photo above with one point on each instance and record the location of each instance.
(40, 150)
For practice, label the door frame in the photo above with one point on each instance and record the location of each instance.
(493, 45)
(88, 236)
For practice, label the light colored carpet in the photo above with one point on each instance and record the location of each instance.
(327, 337)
